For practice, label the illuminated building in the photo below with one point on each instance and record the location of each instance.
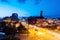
(14, 16)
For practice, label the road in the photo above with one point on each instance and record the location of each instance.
(40, 34)
(36, 33)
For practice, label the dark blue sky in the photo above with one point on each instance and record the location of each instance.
(51, 8)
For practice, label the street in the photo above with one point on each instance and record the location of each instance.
(40, 34)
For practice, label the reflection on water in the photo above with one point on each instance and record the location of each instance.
(2, 35)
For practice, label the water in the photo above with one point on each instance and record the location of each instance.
(2, 35)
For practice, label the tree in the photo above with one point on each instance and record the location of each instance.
(22, 29)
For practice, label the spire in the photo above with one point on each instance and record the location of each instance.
(41, 15)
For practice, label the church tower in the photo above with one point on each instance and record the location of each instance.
(41, 15)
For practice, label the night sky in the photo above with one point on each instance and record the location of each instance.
(25, 8)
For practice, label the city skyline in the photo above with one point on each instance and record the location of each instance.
(30, 8)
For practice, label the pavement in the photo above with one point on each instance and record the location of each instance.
(40, 34)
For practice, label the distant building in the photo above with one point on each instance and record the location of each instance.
(14, 16)
(32, 19)
(49, 20)
(41, 15)
(6, 18)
